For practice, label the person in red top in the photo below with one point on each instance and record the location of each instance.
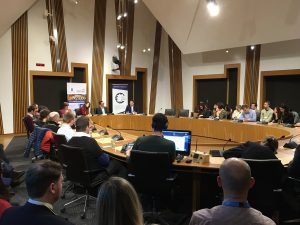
(84, 110)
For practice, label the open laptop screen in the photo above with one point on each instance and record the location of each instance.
(182, 139)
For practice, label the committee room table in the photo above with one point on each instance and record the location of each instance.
(209, 132)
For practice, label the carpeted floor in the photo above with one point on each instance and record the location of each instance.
(14, 152)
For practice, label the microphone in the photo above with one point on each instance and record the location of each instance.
(196, 145)
(103, 132)
(116, 137)
(291, 144)
(226, 143)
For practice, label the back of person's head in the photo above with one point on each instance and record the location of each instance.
(235, 175)
(44, 114)
(53, 116)
(31, 108)
(271, 142)
(159, 122)
(40, 175)
(118, 203)
(82, 123)
(68, 117)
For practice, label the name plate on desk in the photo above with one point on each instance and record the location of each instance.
(200, 157)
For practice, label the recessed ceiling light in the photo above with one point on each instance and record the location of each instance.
(252, 47)
(144, 50)
(149, 49)
(213, 7)
(118, 45)
(119, 17)
(122, 47)
(136, 1)
(227, 51)
(125, 14)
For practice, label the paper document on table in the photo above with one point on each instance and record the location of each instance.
(95, 135)
(119, 148)
(104, 140)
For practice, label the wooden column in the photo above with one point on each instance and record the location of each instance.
(1, 122)
(252, 74)
(19, 39)
(125, 34)
(175, 65)
(155, 68)
(98, 51)
(58, 48)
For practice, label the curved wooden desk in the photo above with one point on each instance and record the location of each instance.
(221, 130)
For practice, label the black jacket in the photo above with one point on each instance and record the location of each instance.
(52, 126)
(294, 166)
(155, 144)
(128, 109)
(31, 214)
(100, 112)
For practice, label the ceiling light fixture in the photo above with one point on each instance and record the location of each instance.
(118, 45)
(119, 17)
(227, 51)
(252, 47)
(125, 14)
(136, 1)
(122, 47)
(213, 7)
(149, 49)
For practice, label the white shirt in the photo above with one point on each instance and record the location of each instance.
(81, 134)
(66, 130)
(103, 111)
(46, 204)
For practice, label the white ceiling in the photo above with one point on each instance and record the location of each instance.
(10, 11)
(240, 22)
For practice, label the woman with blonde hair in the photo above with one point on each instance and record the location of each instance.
(118, 203)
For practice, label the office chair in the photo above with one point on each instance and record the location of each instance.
(170, 112)
(183, 113)
(78, 172)
(266, 193)
(59, 139)
(150, 172)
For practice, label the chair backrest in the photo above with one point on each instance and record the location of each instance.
(75, 164)
(26, 127)
(268, 176)
(150, 169)
(59, 139)
(183, 113)
(170, 112)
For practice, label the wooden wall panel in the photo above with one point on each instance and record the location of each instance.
(175, 65)
(155, 68)
(125, 34)
(56, 19)
(19, 38)
(1, 122)
(252, 74)
(98, 51)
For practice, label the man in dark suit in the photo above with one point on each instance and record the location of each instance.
(156, 142)
(44, 185)
(28, 119)
(101, 110)
(95, 156)
(131, 108)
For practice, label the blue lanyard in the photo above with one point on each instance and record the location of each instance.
(237, 204)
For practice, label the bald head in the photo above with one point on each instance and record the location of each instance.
(235, 175)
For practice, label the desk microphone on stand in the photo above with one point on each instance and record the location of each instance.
(116, 137)
(291, 144)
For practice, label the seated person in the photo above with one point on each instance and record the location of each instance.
(117, 196)
(131, 108)
(44, 115)
(276, 115)
(28, 119)
(4, 196)
(252, 150)
(9, 175)
(101, 110)
(220, 111)
(64, 110)
(44, 185)
(235, 180)
(228, 111)
(156, 142)
(66, 127)
(237, 112)
(206, 113)
(286, 116)
(84, 109)
(296, 116)
(248, 115)
(254, 107)
(95, 156)
(294, 165)
(52, 122)
(266, 114)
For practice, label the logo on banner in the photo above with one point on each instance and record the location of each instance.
(120, 98)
